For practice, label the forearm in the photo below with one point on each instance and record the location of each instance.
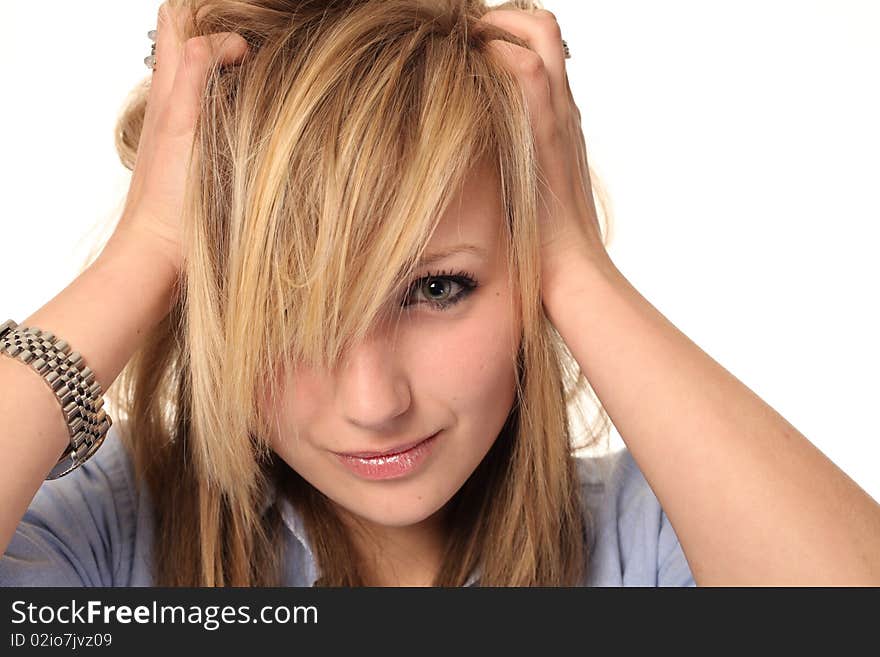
(103, 314)
(751, 499)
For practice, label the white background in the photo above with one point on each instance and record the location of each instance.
(739, 141)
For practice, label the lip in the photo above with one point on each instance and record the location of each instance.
(387, 452)
(390, 464)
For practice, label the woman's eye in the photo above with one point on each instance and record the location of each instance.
(441, 291)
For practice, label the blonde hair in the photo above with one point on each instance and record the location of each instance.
(327, 158)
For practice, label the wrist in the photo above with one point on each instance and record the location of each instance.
(575, 274)
(126, 243)
(128, 250)
(573, 268)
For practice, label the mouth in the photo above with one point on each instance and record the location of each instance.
(390, 464)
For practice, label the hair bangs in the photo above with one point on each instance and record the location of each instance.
(402, 118)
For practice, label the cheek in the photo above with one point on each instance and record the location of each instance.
(298, 405)
(473, 366)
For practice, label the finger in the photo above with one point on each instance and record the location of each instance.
(170, 26)
(541, 31)
(200, 54)
(529, 69)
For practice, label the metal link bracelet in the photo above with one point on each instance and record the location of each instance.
(74, 386)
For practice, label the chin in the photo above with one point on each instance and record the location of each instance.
(396, 509)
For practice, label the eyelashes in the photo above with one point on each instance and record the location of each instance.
(438, 289)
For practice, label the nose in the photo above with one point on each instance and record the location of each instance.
(372, 389)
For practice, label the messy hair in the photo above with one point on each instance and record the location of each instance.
(326, 158)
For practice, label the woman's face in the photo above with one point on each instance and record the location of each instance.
(448, 371)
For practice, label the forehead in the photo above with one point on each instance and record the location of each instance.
(474, 217)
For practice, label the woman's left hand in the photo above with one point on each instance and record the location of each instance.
(569, 222)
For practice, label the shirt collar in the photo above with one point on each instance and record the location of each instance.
(293, 521)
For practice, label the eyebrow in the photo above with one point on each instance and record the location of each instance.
(434, 256)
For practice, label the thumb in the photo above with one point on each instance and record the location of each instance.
(199, 55)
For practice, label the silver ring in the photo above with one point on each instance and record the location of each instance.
(150, 60)
(566, 50)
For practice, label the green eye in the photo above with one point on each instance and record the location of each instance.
(441, 290)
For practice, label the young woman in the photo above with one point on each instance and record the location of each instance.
(358, 287)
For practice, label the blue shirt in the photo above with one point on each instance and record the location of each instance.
(94, 527)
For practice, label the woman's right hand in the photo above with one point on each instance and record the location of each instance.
(153, 207)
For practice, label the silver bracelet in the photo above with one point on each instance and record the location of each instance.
(72, 382)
